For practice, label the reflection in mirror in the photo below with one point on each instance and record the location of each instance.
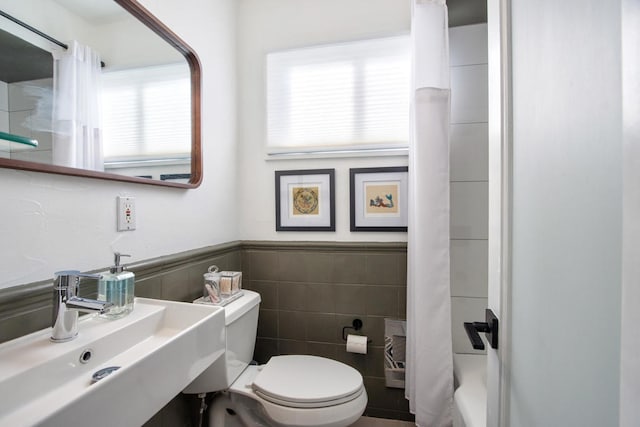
(98, 90)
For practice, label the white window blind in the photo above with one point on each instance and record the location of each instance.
(146, 113)
(339, 96)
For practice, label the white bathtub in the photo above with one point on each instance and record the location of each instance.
(470, 396)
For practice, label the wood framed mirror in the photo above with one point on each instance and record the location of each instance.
(150, 91)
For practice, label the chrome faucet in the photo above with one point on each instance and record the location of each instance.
(67, 304)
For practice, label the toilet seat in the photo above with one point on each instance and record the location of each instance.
(307, 382)
(285, 415)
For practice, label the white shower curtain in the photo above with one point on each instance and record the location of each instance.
(77, 139)
(429, 376)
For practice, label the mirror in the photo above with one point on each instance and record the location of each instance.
(148, 97)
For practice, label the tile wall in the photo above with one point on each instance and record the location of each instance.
(469, 159)
(311, 290)
(25, 110)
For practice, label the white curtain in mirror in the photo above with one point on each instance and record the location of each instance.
(77, 140)
(429, 377)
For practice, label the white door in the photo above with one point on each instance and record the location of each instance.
(499, 200)
(556, 232)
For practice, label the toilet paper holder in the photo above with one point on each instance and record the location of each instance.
(356, 325)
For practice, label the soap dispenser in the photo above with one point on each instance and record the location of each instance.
(117, 287)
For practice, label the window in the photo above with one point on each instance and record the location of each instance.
(146, 113)
(339, 97)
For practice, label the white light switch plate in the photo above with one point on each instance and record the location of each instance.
(126, 213)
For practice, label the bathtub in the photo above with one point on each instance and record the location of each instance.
(470, 395)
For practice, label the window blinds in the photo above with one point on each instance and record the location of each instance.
(146, 113)
(339, 96)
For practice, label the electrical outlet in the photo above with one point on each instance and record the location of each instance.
(126, 213)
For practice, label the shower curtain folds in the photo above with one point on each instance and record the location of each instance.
(77, 138)
(429, 384)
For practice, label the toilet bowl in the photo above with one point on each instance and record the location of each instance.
(290, 390)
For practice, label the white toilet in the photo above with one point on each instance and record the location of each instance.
(286, 391)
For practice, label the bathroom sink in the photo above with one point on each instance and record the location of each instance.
(159, 348)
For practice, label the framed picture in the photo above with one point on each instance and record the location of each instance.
(379, 198)
(305, 200)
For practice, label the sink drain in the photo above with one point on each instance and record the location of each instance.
(103, 373)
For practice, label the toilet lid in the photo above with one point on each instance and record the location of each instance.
(307, 382)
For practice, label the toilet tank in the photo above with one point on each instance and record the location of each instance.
(241, 325)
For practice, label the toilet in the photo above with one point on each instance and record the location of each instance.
(292, 390)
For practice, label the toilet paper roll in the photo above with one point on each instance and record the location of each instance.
(357, 344)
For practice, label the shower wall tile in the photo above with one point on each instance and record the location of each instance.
(4, 121)
(464, 309)
(469, 152)
(469, 268)
(4, 96)
(469, 94)
(468, 45)
(469, 210)
(29, 95)
(469, 161)
(19, 99)
(19, 123)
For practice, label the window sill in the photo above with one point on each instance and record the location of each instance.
(338, 153)
(117, 164)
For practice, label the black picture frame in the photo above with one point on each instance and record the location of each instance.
(296, 191)
(382, 212)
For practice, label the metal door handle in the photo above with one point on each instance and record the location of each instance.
(489, 327)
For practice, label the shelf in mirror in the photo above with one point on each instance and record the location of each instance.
(10, 142)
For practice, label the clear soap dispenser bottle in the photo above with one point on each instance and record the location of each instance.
(117, 287)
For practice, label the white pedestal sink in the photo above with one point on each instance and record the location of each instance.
(160, 348)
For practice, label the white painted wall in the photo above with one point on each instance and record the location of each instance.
(265, 26)
(120, 39)
(567, 213)
(125, 43)
(50, 222)
(37, 13)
